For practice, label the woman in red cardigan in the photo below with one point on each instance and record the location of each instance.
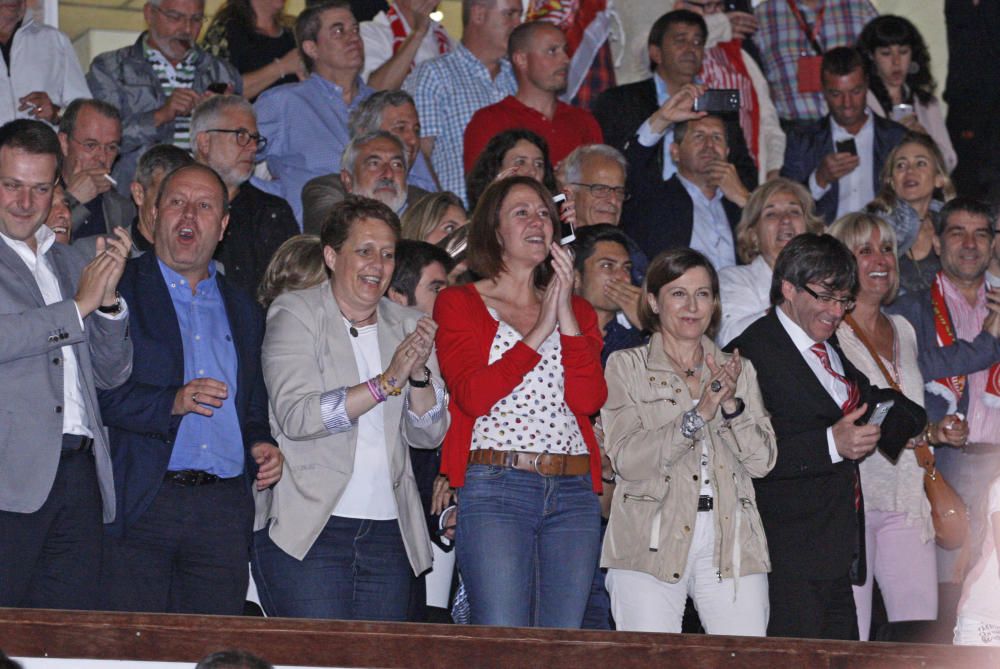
(521, 358)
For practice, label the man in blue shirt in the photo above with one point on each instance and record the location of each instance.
(189, 429)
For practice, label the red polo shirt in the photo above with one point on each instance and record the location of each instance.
(569, 128)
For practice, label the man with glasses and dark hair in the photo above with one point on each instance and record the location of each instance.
(158, 81)
(810, 503)
(224, 136)
(90, 135)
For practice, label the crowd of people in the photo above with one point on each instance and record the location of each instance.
(351, 301)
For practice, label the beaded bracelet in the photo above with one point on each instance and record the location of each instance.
(375, 389)
(389, 387)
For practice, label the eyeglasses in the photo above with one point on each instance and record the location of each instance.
(244, 136)
(177, 17)
(91, 146)
(603, 190)
(847, 303)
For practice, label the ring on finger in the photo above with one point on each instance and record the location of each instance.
(716, 386)
(194, 398)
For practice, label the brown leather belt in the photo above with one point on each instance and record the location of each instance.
(546, 464)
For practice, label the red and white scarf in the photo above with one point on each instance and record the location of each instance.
(951, 388)
(400, 30)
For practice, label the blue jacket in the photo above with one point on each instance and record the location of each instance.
(138, 413)
(807, 146)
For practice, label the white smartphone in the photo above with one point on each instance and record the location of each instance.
(901, 111)
(567, 235)
(881, 411)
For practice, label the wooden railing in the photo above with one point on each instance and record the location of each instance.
(180, 638)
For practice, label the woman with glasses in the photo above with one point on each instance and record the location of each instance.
(777, 211)
(686, 431)
(256, 37)
(899, 535)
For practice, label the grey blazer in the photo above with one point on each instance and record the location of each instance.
(31, 378)
(307, 352)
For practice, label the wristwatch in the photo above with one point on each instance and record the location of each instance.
(114, 309)
(740, 406)
(425, 382)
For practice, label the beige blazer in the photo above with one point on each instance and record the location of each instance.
(307, 352)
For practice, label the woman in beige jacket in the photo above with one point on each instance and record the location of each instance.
(686, 431)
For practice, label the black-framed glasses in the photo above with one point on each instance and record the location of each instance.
(847, 303)
(603, 190)
(244, 136)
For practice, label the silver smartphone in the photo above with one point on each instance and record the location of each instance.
(881, 411)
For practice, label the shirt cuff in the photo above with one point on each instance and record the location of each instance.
(815, 189)
(646, 135)
(835, 457)
(333, 410)
(122, 313)
(432, 413)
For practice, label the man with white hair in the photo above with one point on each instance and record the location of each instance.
(224, 136)
(373, 165)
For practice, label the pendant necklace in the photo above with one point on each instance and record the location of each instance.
(353, 329)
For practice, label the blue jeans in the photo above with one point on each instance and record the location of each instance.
(525, 539)
(356, 570)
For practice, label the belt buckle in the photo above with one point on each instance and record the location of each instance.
(534, 465)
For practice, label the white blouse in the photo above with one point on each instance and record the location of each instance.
(534, 417)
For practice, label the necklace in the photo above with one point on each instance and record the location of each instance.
(354, 321)
(690, 371)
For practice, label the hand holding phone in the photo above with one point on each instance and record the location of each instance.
(566, 231)
(880, 412)
(847, 146)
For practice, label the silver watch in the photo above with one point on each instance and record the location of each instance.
(691, 423)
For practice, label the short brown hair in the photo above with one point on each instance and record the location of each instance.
(667, 267)
(347, 212)
(485, 255)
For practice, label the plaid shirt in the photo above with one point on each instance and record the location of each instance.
(781, 41)
(448, 90)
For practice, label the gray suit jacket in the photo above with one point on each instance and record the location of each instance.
(307, 352)
(31, 378)
(321, 193)
(119, 212)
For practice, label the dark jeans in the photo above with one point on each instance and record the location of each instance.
(598, 613)
(523, 538)
(356, 570)
(187, 553)
(51, 558)
(821, 609)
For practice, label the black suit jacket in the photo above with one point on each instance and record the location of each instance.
(622, 109)
(138, 413)
(807, 502)
(807, 146)
(659, 215)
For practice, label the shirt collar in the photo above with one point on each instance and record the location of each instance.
(840, 130)
(799, 337)
(44, 239)
(177, 282)
(463, 52)
(955, 296)
(694, 191)
(154, 54)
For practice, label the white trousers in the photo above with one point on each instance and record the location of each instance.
(640, 602)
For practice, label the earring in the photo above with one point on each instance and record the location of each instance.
(913, 68)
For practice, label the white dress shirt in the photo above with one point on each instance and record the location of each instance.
(834, 386)
(856, 188)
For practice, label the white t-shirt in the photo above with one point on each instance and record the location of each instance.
(369, 492)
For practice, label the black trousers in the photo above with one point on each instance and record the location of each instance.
(188, 553)
(812, 609)
(51, 558)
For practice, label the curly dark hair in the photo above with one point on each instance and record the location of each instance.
(890, 30)
(488, 163)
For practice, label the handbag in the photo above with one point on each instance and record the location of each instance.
(949, 514)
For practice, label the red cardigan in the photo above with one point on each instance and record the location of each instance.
(465, 333)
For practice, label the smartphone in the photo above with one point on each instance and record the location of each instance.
(881, 411)
(901, 111)
(567, 235)
(217, 87)
(718, 101)
(847, 146)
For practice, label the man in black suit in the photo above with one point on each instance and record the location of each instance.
(810, 503)
(676, 50)
(699, 205)
(840, 157)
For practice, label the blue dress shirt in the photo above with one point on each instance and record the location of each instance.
(210, 444)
